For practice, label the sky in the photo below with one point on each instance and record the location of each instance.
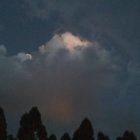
(73, 59)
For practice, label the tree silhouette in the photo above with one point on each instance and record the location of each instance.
(129, 136)
(84, 132)
(10, 137)
(101, 136)
(31, 127)
(65, 137)
(37, 125)
(52, 137)
(119, 138)
(42, 134)
(25, 131)
(3, 125)
(35, 118)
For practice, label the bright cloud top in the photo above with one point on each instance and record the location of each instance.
(67, 41)
(61, 86)
(71, 41)
(24, 56)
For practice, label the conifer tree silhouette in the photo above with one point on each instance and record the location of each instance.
(31, 127)
(102, 136)
(35, 118)
(25, 131)
(52, 137)
(37, 125)
(65, 137)
(3, 125)
(129, 136)
(10, 137)
(84, 132)
(119, 138)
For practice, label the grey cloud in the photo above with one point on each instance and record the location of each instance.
(3, 50)
(93, 19)
(2, 27)
(100, 81)
(24, 56)
(66, 85)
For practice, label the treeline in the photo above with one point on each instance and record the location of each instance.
(32, 128)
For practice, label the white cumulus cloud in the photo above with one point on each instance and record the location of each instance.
(62, 87)
(71, 41)
(64, 41)
(24, 56)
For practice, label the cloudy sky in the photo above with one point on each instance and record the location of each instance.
(72, 59)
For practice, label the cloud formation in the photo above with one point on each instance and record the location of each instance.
(64, 41)
(92, 19)
(68, 77)
(3, 50)
(90, 66)
(24, 56)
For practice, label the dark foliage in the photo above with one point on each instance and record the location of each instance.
(32, 128)
(101, 136)
(10, 137)
(3, 125)
(119, 138)
(65, 137)
(52, 137)
(129, 136)
(84, 132)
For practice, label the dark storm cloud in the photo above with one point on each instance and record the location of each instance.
(60, 73)
(109, 22)
(91, 17)
(97, 77)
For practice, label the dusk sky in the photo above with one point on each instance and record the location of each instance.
(73, 59)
